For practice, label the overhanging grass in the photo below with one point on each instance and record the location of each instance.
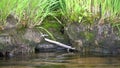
(33, 13)
(6, 7)
(76, 10)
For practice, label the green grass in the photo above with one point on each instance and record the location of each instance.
(33, 13)
(6, 7)
(29, 12)
(74, 10)
(108, 6)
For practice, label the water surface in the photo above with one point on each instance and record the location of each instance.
(59, 60)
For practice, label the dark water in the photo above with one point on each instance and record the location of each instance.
(59, 60)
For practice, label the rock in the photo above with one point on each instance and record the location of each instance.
(19, 41)
(45, 48)
(15, 42)
(5, 40)
(8, 54)
(48, 47)
(33, 35)
(11, 22)
(1, 54)
(78, 44)
(99, 39)
(80, 35)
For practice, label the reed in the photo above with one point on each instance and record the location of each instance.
(75, 10)
(29, 12)
(33, 13)
(109, 8)
(6, 7)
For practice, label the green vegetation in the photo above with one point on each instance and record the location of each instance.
(51, 17)
(75, 10)
(29, 12)
(33, 13)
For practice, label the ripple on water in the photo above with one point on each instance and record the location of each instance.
(59, 60)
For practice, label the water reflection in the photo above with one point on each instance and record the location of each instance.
(59, 60)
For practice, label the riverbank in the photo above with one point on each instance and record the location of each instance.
(96, 40)
(88, 27)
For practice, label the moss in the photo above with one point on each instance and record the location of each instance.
(54, 28)
(51, 24)
(87, 35)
